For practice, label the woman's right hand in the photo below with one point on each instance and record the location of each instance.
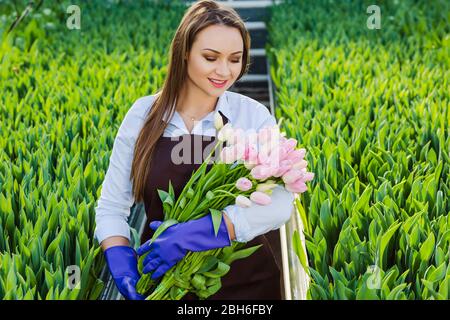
(122, 263)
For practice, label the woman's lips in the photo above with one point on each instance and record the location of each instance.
(218, 85)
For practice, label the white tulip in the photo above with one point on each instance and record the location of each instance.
(243, 201)
(218, 121)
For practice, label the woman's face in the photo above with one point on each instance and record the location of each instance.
(216, 54)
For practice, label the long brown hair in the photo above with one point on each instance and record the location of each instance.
(199, 16)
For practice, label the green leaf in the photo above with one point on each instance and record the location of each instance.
(395, 293)
(11, 280)
(431, 288)
(302, 213)
(163, 195)
(298, 248)
(241, 254)
(443, 287)
(216, 216)
(96, 290)
(364, 293)
(220, 271)
(427, 248)
(438, 274)
(198, 281)
(49, 282)
(135, 239)
(363, 201)
(171, 190)
(343, 292)
(209, 263)
(385, 240)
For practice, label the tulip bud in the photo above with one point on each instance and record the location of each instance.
(190, 193)
(218, 122)
(243, 201)
(263, 187)
(260, 198)
(209, 195)
(243, 184)
(225, 133)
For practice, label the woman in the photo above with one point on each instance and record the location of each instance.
(209, 52)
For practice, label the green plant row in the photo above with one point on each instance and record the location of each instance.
(64, 95)
(373, 108)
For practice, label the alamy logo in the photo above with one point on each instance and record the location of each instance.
(374, 20)
(73, 277)
(74, 20)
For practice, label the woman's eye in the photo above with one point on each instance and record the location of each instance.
(212, 59)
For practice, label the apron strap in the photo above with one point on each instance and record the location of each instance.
(224, 118)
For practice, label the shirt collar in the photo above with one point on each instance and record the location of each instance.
(222, 106)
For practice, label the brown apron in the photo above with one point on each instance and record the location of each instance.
(255, 277)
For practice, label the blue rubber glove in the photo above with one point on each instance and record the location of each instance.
(172, 245)
(122, 263)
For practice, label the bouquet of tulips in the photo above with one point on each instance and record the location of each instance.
(247, 169)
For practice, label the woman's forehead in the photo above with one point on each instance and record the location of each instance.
(220, 38)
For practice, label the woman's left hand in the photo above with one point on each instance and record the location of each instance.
(172, 245)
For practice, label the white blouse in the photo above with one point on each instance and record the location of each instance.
(116, 199)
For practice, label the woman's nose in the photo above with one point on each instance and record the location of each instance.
(223, 70)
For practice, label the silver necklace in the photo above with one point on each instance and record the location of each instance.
(189, 116)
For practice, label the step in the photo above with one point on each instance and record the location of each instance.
(255, 25)
(254, 78)
(258, 52)
(257, 90)
(238, 4)
(258, 64)
(258, 33)
(249, 10)
(261, 96)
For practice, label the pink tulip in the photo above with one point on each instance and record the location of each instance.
(251, 154)
(297, 187)
(283, 153)
(300, 165)
(264, 135)
(228, 154)
(308, 176)
(240, 150)
(292, 175)
(289, 145)
(285, 166)
(251, 137)
(243, 201)
(262, 172)
(263, 153)
(243, 184)
(260, 198)
(296, 155)
(270, 160)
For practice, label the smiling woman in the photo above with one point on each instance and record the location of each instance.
(208, 54)
(213, 64)
(216, 56)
